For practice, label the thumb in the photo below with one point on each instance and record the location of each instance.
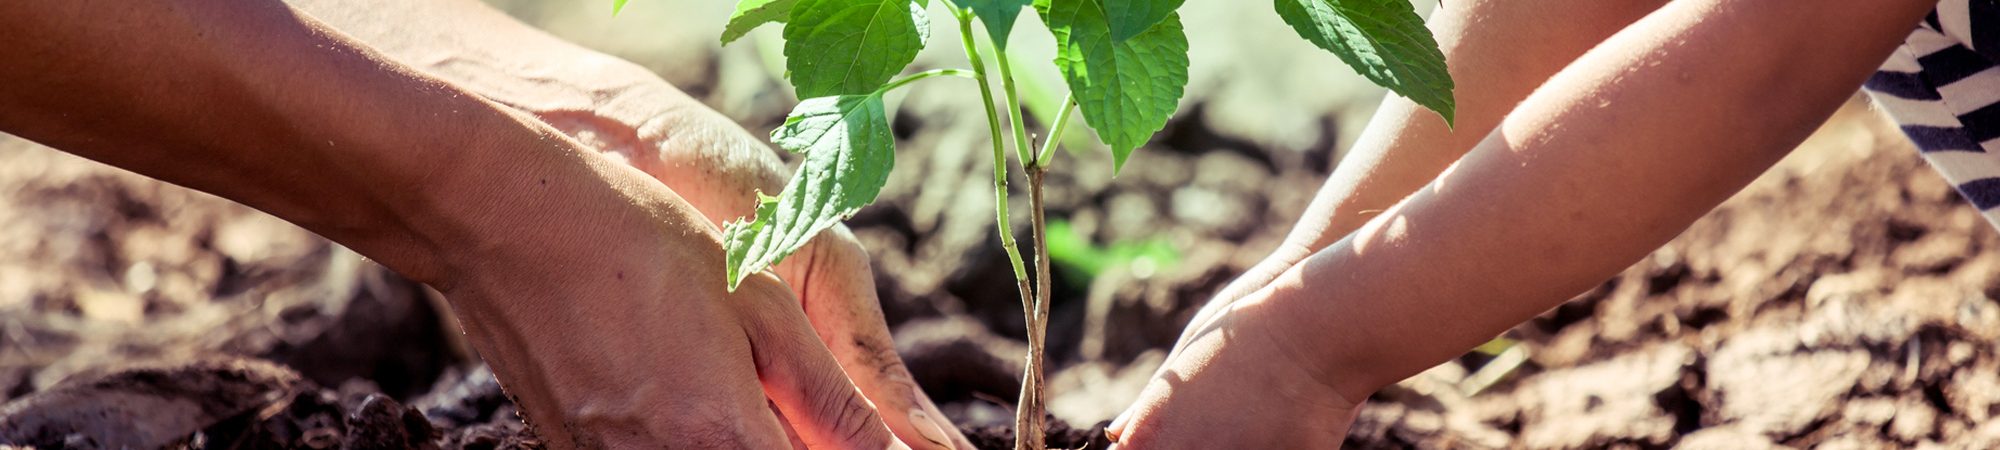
(801, 377)
(837, 290)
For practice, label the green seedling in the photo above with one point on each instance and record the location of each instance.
(1125, 63)
(1080, 259)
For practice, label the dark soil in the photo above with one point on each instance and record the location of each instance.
(1845, 301)
(1060, 435)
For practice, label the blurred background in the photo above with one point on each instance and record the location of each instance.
(1844, 300)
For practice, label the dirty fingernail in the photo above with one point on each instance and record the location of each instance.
(1118, 424)
(929, 428)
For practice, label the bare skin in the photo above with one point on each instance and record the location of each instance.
(622, 109)
(1605, 161)
(593, 289)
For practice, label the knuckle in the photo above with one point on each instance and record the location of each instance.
(848, 417)
(882, 357)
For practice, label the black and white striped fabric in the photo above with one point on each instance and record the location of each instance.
(1943, 87)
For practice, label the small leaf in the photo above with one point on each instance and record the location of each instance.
(1126, 89)
(751, 14)
(1384, 40)
(616, 6)
(998, 16)
(848, 152)
(851, 47)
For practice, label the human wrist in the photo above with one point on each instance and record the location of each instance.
(489, 184)
(1312, 334)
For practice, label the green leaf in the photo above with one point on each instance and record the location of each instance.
(616, 6)
(751, 14)
(998, 15)
(1384, 40)
(1131, 17)
(848, 152)
(851, 47)
(1126, 89)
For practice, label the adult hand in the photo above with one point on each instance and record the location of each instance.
(719, 168)
(624, 110)
(598, 294)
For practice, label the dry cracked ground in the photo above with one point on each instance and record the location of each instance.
(1845, 300)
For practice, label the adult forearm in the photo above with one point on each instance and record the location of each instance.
(1612, 157)
(551, 255)
(252, 102)
(613, 105)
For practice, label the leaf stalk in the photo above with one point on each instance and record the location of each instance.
(1021, 143)
(912, 78)
(1056, 131)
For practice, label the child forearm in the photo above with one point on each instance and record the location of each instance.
(1498, 51)
(1608, 160)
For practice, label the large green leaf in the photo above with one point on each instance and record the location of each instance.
(1127, 88)
(848, 152)
(1384, 40)
(751, 14)
(998, 15)
(851, 47)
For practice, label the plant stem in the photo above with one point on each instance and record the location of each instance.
(912, 78)
(1021, 143)
(1029, 411)
(1038, 320)
(1028, 433)
(1056, 133)
(999, 153)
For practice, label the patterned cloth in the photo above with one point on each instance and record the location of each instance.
(1942, 86)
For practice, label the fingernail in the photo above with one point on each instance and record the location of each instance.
(1118, 424)
(929, 428)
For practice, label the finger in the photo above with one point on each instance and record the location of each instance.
(801, 376)
(791, 434)
(709, 404)
(1117, 426)
(1150, 399)
(837, 290)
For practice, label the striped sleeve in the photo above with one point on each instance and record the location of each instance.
(1943, 89)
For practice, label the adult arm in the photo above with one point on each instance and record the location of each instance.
(1613, 156)
(595, 292)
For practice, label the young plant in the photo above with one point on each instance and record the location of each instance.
(1125, 63)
